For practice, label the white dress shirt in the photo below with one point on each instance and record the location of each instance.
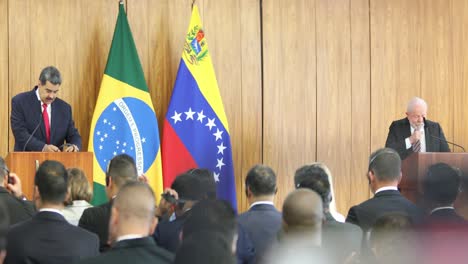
(422, 140)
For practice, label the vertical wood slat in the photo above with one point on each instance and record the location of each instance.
(289, 88)
(4, 91)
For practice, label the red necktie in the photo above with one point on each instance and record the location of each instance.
(45, 116)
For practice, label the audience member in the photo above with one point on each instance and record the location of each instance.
(131, 224)
(392, 240)
(207, 182)
(263, 221)
(340, 239)
(4, 223)
(48, 237)
(384, 174)
(79, 196)
(11, 194)
(441, 187)
(301, 234)
(189, 192)
(121, 170)
(205, 247)
(209, 220)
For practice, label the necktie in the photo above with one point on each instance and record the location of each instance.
(45, 116)
(417, 146)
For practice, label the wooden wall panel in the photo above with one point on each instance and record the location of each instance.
(334, 94)
(460, 70)
(395, 62)
(289, 88)
(4, 92)
(360, 103)
(251, 102)
(436, 63)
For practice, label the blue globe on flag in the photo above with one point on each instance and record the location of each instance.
(124, 127)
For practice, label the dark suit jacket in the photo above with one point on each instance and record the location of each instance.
(48, 238)
(135, 251)
(385, 202)
(96, 220)
(18, 210)
(446, 216)
(340, 239)
(26, 114)
(400, 130)
(262, 223)
(167, 232)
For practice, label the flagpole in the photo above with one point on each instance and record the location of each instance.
(193, 3)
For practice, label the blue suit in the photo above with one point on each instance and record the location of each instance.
(26, 115)
(261, 223)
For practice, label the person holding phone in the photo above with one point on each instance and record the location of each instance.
(12, 196)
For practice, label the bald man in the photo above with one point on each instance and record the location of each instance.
(301, 235)
(415, 133)
(131, 224)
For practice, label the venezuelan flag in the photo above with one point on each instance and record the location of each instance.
(124, 120)
(196, 132)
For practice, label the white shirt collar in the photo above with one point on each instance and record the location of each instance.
(129, 236)
(442, 208)
(51, 210)
(386, 188)
(261, 202)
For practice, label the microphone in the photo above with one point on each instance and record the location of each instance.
(32, 134)
(441, 139)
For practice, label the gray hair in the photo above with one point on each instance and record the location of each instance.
(415, 101)
(50, 74)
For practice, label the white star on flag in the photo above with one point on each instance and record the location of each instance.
(113, 127)
(176, 117)
(102, 139)
(210, 123)
(216, 177)
(98, 133)
(117, 142)
(189, 114)
(200, 116)
(221, 148)
(105, 121)
(218, 134)
(220, 163)
(143, 140)
(115, 108)
(105, 135)
(115, 153)
(100, 147)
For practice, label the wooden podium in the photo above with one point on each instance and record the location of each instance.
(25, 164)
(415, 167)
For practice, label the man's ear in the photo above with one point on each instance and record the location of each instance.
(153, 224)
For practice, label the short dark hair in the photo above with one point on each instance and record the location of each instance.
(385, 163)
(52, 181)
(211, 215)
(205, 247)
(188, 187)
(122, 169)
(51, 74)
(315, 178)
(441, 184)
(207, 181)
(261, 180)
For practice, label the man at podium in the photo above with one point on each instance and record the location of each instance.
(42, 122)
(415, 133)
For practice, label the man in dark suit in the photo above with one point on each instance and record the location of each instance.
(48, 237)
(263, 221)
(383, 174)
(131, 224)
(12, 196)
(4, 223)
(441, 187)
(340, 239)
(415, 133)
(42, 122)
(122, 170)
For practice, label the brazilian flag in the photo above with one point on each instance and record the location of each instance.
(124, 120)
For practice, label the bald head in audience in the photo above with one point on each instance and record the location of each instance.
(133, 211)
(303, 211)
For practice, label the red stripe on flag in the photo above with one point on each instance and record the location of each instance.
(175, 156)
